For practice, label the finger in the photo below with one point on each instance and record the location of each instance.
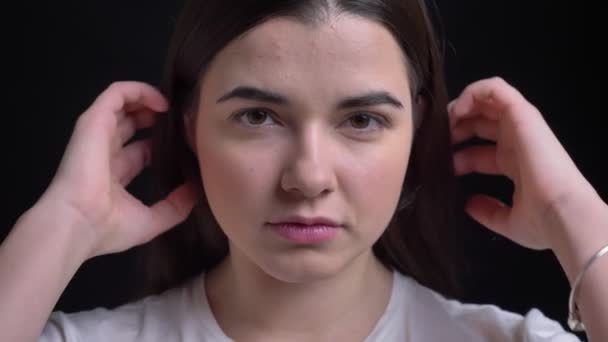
(480, 110)
(131, 123)
(116, 99)
(169, 212)
(489, 97)
(120, 96)
(145, 118)
(128, 108)
(474, 127)
(126, 130)
(131, 161)
(120, 115)
(480, 159)
(133, 107)
(489, 212)
(451, 105)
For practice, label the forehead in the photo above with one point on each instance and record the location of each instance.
(345, 51)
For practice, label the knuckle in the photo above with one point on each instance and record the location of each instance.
(470, 88)
(84, 119)
(124, 86)
(499, 81)
(117, 86)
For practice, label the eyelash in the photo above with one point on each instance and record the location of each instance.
(380, 120)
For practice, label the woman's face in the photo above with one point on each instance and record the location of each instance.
(322, 127)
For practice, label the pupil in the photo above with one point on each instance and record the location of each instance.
(257, 117)
(360, 121)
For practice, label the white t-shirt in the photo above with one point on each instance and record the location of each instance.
(414, 314)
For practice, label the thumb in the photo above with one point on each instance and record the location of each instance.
(490, 212)
(172, 210)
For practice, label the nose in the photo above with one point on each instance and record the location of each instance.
(309, 170)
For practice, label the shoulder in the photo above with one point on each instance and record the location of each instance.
(152, 318)
(480, 322)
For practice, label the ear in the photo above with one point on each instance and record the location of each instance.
(189, 129)
(420, 108)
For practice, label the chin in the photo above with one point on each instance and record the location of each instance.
(303, 266)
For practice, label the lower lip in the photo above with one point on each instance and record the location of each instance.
(305, 234)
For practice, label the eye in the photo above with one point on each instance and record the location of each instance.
(363, 121)
(255, 117)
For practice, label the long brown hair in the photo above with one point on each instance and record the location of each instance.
(420, 241)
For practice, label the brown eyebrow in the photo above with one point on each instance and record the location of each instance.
(372, 98)
(252, 93)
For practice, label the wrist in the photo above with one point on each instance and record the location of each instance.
(580, 224)
(54, 221)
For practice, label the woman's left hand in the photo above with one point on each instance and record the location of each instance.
(526, 151)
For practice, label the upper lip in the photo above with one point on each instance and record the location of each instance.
(310, 221)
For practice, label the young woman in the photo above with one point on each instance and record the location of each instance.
(307, 161)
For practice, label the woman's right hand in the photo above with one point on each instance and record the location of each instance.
(97, 166)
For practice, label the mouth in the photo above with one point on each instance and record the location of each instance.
(302, 230)
(308, 221)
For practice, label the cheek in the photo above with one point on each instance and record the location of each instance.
(374, 185)
(238, 182)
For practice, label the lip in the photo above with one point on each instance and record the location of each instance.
(307, 221)
(305, 234)
(306, 230)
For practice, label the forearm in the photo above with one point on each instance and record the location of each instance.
(584, 227)
(37, 260)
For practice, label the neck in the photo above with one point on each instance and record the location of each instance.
(246, 300)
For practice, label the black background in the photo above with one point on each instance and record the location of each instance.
(68, 52)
